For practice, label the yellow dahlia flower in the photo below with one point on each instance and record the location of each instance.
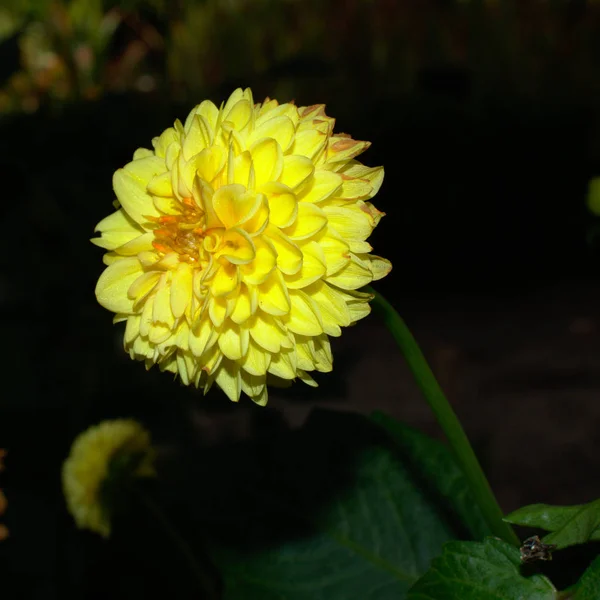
(94, 475)
(239, 243)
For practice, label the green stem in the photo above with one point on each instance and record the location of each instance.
(207, 584)
(446, 417)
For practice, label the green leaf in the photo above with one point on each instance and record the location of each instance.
(333, 511)
(570, 525)
(478, 570)
(438, 469)
(589, 584)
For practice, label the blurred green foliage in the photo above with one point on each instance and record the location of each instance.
(83, 48)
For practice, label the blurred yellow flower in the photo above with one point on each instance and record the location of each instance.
(3, 501)
(239, 243)
(101, 460)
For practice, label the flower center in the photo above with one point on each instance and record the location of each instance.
(183, 233)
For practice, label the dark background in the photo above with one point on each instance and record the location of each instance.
(485, 116)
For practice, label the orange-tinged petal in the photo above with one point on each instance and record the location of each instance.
(112, 286)
(310, 220)
(344, 148)
(296, 171)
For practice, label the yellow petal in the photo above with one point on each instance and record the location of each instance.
(310, 220)
(378, 266)
(289, 256)
(245, 305)
(267, 332)
(265, 260)
(162, 312)
(279, 128)
(181, 289)
(237, 247)
(351, 277)
(283, 206)
(142, 243)
(296, 171)
(238, 115)
(336, 251)
(202, 337)
(130, 185)
(332, 303)
(283, 364)
(225, 280)
(273, 297)
(208, 111)
(112, 286)
(161, 185)
(255, 387)
(209, 163)
(233, 341)
(162, 142)
(143, 285)
(116, 229)
(234, 205)
(198, 136)
(304, 317)
(217, 310)
(309, 143)
(257, 360)
(132, 330)
(351, 222)
(323, 185)
(267, 158)
(228, 379)
(313, 267)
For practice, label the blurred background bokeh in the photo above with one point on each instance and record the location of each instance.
(485, 114)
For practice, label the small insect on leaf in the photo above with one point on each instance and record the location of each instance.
(534, 549)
